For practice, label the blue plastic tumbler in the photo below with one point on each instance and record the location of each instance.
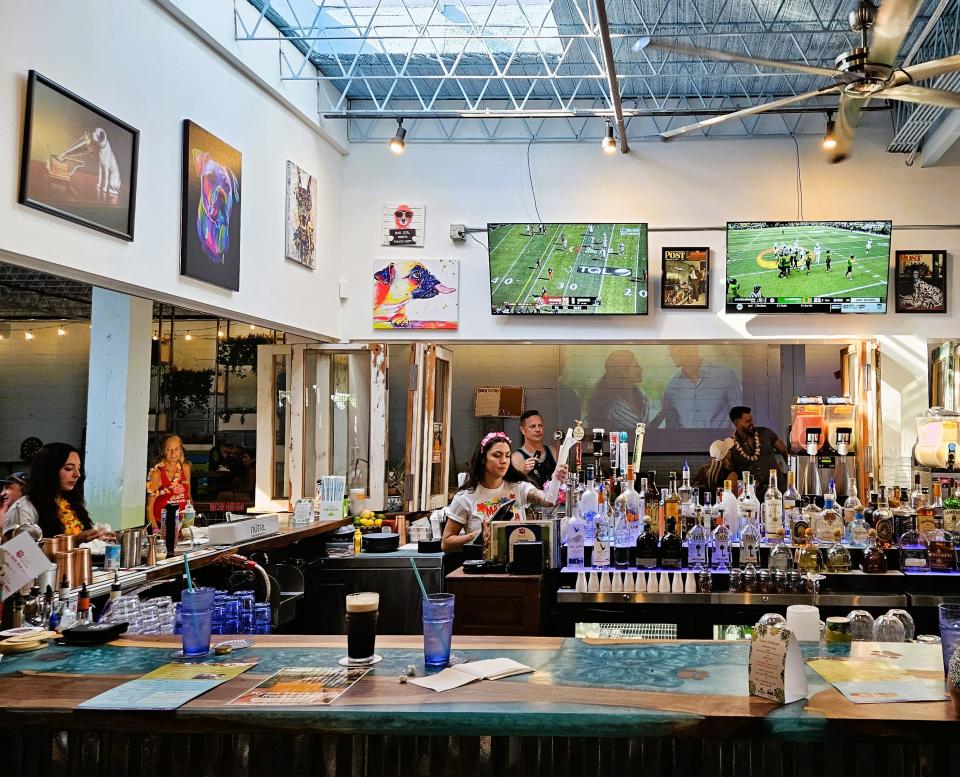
(437, 629)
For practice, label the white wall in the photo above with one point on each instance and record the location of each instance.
(43, 385)
(135, 60)
(682, 184)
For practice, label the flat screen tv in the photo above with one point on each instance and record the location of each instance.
(568, 269)
(807, 266)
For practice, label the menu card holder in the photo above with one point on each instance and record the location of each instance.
(776, 670)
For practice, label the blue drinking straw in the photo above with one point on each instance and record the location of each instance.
(186, 568)
(416, 572)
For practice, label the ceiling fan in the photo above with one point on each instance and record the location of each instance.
(864, 72)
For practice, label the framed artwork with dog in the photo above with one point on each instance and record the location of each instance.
(403, 224)
(210, 211)
(921, 281)
(300, 243)
(78, 162)
(416, 294)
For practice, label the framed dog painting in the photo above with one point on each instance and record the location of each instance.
(921, 281)
(210, 212)
(78, 162)
(415, 294)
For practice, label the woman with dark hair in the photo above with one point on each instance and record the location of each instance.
(53, 497)
(492, 482)
(536, 460)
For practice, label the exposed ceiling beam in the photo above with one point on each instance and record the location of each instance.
(611, 67)
(938, 142)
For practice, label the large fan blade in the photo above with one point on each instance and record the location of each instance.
(918, 94)
(890, 28)
(670, 134)
(726, 56)
(935, 67)
(845, 126)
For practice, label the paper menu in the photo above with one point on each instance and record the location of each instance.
(462, 674)
(302, 686)
(20, 562)
(876, 680)
(776, 669)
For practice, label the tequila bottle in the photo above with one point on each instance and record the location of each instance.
(858, 531)
(671, 502)
(749, 506)
(697, 554)
(604, 534)
(720, 557)
(941, 550)
(731, 507)
(671, 546)
(852, 503)
(808, 554)
(791, 504)
(781, 560)
(874, 561)
(913, 551)
(749, 544)
(772, 508)
(588, 509)
(648, 548)
(829, 521)
(838, 557)
(883, 521)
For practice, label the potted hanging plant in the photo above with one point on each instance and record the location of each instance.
(239, 354)
(186, 390)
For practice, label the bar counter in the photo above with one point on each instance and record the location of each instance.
(589, 708)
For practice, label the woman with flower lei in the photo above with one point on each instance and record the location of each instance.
(168, 481)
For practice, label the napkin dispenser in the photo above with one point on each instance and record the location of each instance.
(252, 528)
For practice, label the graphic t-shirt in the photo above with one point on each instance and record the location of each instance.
(471, 508)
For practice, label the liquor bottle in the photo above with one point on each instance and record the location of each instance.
(16, 603)
(84, 614)
(731, 509)
(588, 509)
(951, 512)
(622, 547)
(873, 559)
(852, 503)
(811, 514)
(883, 521)
(781, 560)
(858, 531)
(630, 503)
(749, 505)
(651, 502)
(697, 554)
(904, 515)
(687, 501)
(917, 494)
(671, 502)
(720, 557)
(749, 544)
(925, 516)
(808, 554)
(831, 490)
(871, 503)
(575, 539)
(828, 522)
(772, 509)
(706, 512)
(648, 548)
(810, 476)
(936, 502)
(791, 505)
(913, 551)
(941, 550)
(604, 533)
(838, 557)
(671, 546)
(842, 474)
(46, 610)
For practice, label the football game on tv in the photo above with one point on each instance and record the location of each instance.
(807, 266)
(568, 269)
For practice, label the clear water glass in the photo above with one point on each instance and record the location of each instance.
(909, 629)
(888, 628)
(861, 625)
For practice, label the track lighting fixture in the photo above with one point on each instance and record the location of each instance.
(829, 139)
(397, 144)
(609, 142)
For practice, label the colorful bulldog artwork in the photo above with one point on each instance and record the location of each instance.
(210, 229)
(416, 294)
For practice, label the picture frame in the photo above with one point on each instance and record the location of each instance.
(78, 162)
(920, 281)
(685, 278)
(210, 208)
(416, 293)
(300, 216)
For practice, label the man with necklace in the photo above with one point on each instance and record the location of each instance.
(755, 450)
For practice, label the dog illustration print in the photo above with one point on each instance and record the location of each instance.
(108, 170)
(396, 289)
(219, 190)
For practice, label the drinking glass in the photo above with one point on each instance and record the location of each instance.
(772, 619)
(888, 628)
(437, 629)
(196, 613)
(909, 629)
(861, 625)
(949, 633)
(361, 617)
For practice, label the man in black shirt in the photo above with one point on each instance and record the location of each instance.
(755, 449)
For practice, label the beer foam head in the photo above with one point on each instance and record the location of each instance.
(365, 602)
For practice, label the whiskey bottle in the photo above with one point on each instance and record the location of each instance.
(874, 561)
(926, 517)
(913, 551)
(671, 503)
(883, 521)
(671, 546)
(801, 521)
(648, 548)
(903, 514)
(838, 557)
(941, 550)
(951, 512)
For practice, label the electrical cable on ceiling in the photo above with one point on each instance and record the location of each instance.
(799, 181)
(533, 189)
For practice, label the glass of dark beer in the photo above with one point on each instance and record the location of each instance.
(362, 609)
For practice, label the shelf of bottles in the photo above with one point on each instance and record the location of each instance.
(646, 528)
